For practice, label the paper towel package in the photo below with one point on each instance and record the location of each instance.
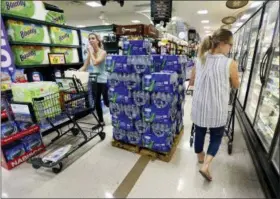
(71, 54)
(54, 17)
(31, 55)
(32, 9)
(27, 32)
(64, 36)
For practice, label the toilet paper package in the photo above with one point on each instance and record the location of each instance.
(30, 55)
(71, 54)
(64, 36)
(164, 81)
(27, 32)
(123, 122)
(120, 94)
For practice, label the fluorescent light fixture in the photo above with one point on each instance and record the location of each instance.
(238, 24)
(93, 4)
(205, 21)
(106, 23)
(255, 4)
(207, 31)
(206, 27)
(202, 12)
(246, 16)
(135, 21)
(81, 26)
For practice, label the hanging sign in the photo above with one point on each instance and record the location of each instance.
(161, 10)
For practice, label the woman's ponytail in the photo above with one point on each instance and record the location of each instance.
(205, 46)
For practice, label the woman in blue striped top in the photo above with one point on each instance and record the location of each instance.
(212, 77)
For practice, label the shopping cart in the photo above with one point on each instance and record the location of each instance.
(73, 99)
(229, 129)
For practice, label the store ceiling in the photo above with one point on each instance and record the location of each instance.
(78, 13)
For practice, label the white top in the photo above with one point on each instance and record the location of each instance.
(211, 91)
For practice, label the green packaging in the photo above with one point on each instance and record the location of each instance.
(64, 36)
(27, 32)
(71, 54)
(30, 55)
(19, 8)
(55, 17)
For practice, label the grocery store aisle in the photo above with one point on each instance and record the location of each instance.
(104, 171)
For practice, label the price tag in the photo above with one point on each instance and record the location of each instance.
(57, 58)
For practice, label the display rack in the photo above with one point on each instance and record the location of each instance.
(48, 71)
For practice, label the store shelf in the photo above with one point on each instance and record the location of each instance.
(19, 135)
(48, 65)
(4, 115)
(42, 44)
(35, 21)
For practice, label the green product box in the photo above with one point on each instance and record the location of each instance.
(55, 17)
(30, 55)
(26, 32)
(19, 8)
(64, 36)
(71, 54)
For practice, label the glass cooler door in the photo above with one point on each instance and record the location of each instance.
(265, 41)
(268, 113)
(252, 38)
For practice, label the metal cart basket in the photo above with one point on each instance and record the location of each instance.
(72, 99)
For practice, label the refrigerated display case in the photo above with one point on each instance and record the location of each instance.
(268, 110)
(248, 56)
(265, 40)
(259, 99)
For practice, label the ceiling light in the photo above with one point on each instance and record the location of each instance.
(238, 24)
(246, 16)
(207, 31)
(205, 21)
(256, 4)
(81, 26)
(106, 23)
(202, 12)
(135, 21)
(93, 4)
(206, 27)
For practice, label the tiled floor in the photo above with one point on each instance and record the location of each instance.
(99, 171)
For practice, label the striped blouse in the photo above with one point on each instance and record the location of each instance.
(211, 91)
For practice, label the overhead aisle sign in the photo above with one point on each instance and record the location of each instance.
(161, 10)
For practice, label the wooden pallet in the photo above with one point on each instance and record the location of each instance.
(166, 157)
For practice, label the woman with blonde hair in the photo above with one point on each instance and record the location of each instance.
(212, 77)
(95, 63)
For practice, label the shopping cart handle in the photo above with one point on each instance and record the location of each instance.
(38, 99)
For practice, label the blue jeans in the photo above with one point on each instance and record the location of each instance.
(216, 135)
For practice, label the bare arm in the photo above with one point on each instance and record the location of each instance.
(234, 79)
(192, 77)
(86, 64)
